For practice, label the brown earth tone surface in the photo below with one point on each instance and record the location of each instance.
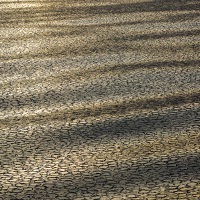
(99, 100)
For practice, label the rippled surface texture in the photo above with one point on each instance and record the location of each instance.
(99, 99)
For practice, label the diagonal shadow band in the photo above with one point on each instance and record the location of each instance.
(52, 140)
(54, 96)
(104, 109)
(156, 36)
(62, 10)
(114, 44)
(80, 30)
(117, 179)
(75, 29)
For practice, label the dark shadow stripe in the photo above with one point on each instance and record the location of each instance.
(81, 30)
(28, 21)
(52, 140)
(106, 45)
(55, 96)
(114, 109)
(109, 180)
(152, 6)
(154, 36)
(183, 17)
(160, 65)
